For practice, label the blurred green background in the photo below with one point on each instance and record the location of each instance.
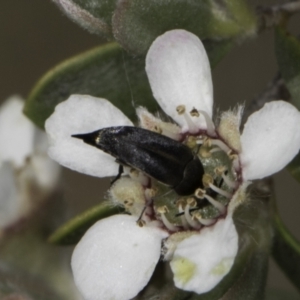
(35, 36)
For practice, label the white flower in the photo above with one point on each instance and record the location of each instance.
(24, 164)
(201, 249)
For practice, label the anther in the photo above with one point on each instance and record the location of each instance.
(191, 141)
(201, 194)
(204, 152)
(194, 112)
(232, 155)
(157, 129)
(220, 171)
(207, 142)
(207, 180)
(181, 203)
(140, 222)
(191, 202)
(128, 203)
(162, 210)
(181, 110)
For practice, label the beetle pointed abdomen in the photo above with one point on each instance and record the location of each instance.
(89, 138)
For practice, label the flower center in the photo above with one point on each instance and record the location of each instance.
(207, 204)
(151, 200)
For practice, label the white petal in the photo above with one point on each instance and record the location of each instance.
(270, 140)
(46, 171)
(16, 132)
(201, 261)
(179, 73)
(10, 202)
(83, 114)
(116, 258)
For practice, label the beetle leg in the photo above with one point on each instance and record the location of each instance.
(149, 197)
(139, 220)
(120, 172)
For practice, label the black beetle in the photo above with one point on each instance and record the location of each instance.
(168, 161)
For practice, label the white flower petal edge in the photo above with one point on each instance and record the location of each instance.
(16, 132)
(10, 200)
(83, 114)
(179, 74)
(116, 258)
(47, 171)
(201, 261)
(270, 140)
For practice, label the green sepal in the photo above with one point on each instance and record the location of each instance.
(106, 72)
(137, 23)
(286, 251)
(287, 49)
(71, 232)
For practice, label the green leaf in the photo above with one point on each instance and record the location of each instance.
(71, 232)
(136, 23)
(286, 251)
(106, 72)
(287, 49)
(95, 16)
